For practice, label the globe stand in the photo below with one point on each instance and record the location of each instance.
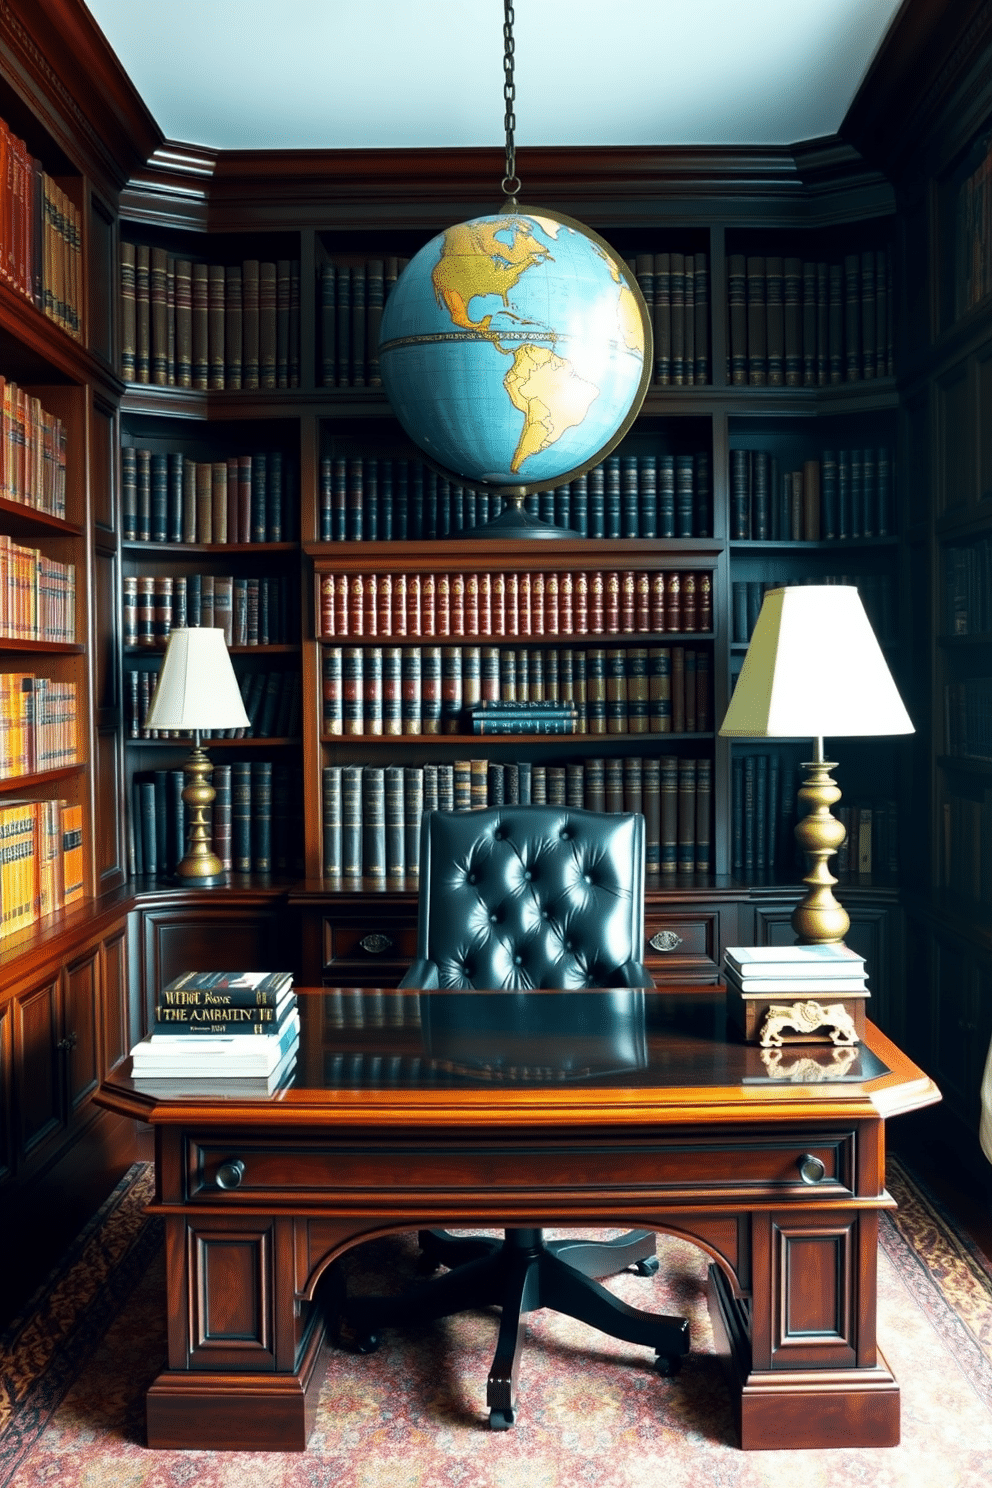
(514, 522)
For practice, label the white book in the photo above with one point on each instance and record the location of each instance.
(202, 1054)
(797, 985)
(813, 961)
(221, 1082)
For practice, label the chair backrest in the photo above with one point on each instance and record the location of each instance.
(531, 896)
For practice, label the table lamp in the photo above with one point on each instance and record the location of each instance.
(815, 668)
(197, 689)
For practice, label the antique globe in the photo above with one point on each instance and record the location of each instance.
(516, 350)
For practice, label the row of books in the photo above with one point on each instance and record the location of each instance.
(876, 590)
(543, 603)
(764, 808)
(208, 326)
(676, 290)
(32, 452)
(271, 699)
(369, 499)
(372, 815)
(968, 718)
(171, 498)
(41, 861)
(967, 845)
(255, 818)
(250, 611)
(38, 724)
(796, 323)
(968, 588)
(37, 595)
(841, 494)
(973, 236)
(395, 690)
(237, 1027)
(41, 236)
(352, 296)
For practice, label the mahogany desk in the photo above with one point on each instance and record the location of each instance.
(397, 1120)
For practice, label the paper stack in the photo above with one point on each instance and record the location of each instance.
(761, 977)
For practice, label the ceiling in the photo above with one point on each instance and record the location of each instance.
(302, 74)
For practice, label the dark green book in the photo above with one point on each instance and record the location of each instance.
(261, 816)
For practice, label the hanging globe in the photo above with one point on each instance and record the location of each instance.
(516, 350)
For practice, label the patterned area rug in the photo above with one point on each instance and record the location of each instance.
(75, 1368)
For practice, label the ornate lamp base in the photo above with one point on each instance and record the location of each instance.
(514, 522)
(818, 918)
(200, 867)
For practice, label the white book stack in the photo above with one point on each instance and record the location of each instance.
(760, 977)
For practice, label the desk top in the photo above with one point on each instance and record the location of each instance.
(606, 1057)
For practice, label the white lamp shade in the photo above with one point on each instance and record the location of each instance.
(197, 688)
(814, 669)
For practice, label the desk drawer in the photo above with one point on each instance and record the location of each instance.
(683, 946)
(360, 950)
(395, 1174)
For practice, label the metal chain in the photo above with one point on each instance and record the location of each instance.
(511, 181)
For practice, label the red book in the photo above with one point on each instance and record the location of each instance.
(457, 582)
(552, 616)
(442, 604)
(413, 608)
(370, 612)
(524, 605)
(342, 607)
(566, 604)
(704, 601)
(673, 602)
(243, 528)
(428, 604)
(689, 601)
(512, 605)
(486, 605)
(400, 600)
(628, 602)
(643, 603)
(658, 602)
(471, 601)
(497, 616)
(611, 603)
(356, 605)
(537, 606)
(327, 605)
(385, 605)
(597, 603)
(581, 603)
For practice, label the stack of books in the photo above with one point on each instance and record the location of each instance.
(759, 977)
(222, 1025)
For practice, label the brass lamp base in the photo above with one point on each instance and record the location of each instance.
(200, 867)
(818, 918)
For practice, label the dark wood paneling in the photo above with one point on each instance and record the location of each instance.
(102, 281)
(109, 851)
(82, 1023)
(103, 466)
(39, 1094)
(116, 1035)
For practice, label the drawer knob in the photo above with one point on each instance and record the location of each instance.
(375, 943)
(665, 940)
(811, 1169)
(231, 1173)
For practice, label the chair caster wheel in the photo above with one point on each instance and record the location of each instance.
(648, 1267)
(668, 1365)
(501, 1420)
(366, 1343)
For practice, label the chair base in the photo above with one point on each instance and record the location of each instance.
(521, 1273)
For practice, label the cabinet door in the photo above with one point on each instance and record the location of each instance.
(81, 1038)
(6, 1109)
(116, 1040)
(38, 1084)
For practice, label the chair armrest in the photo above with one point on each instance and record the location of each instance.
(422, 974)
(632, 974)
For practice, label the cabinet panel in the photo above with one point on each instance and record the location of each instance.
(82, 1028)
(116, 1039)
(210, 938)
(39, 1094)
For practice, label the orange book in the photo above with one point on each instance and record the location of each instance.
(326, 606)
(72, 854)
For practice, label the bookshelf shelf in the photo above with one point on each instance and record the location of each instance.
(43, 648)
(16, 516)
(14, 784)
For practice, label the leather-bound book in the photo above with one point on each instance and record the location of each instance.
(250, 324)
(201, 326)
(413, 810)
(614, 784)
(775, 302)
(241, 804)
(669, 772)
(174, 498)
(356, 351)
(216, 313)
(204, 502)
(686, 849)
(704, 690)
(129, 493)
(757, 323)
(143, 313)
(811, 501)
(689, 320)
(351, 821)
(395, 813)
(183, 323)
(128, 313)
(328, 329)
(633, 784)
(221, 833)
(375, 291)
(792, 314)
(689, 689)
(233, 328)
(852, 317)
(809, 324)
(267, 332)
(883, 312)
(685, 497)
(702, 316)
(662, 318)
(342, 324)
(835, 324)
(294, 322)
(218, 501)
(677, 290)
(868, 328)
(738, 315)
(144, 525)
(822, 324)
(704, 815)
(284, 289)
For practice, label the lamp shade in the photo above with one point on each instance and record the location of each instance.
(814, 669)
(197, 688)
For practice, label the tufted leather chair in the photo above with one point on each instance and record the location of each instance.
(530, 896)
(517, 898)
